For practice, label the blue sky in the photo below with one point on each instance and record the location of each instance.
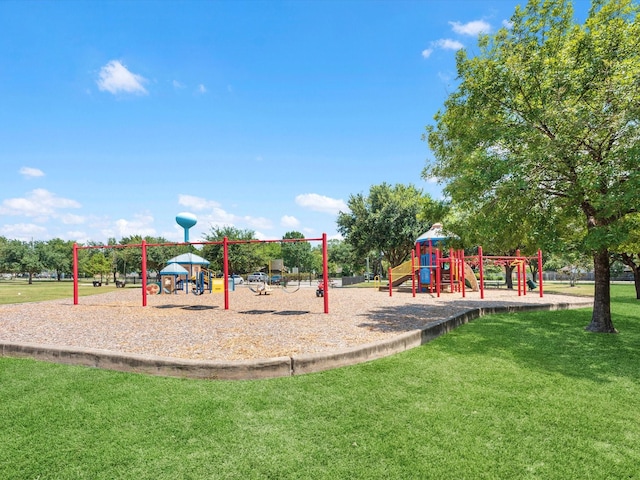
(265, 115)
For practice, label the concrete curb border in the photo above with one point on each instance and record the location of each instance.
(259, 368)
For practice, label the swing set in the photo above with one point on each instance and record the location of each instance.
(225, 244)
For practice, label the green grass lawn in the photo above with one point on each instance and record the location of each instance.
(19, 290)
(580, 289)
(508, 396)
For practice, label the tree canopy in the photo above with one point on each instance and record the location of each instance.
(386, 221)
(297, 254)
(242, 257)
(546, 115)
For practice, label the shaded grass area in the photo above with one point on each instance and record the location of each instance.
(19, 291)
(508, 396)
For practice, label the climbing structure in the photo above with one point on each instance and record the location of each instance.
(434, 269)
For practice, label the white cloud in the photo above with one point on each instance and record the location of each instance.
(31, 172)
(78, 236)
(320, 203)
(219, 216)
(289, 221)
(202, 89)
(116, 78)
(472, 28)
(37, 203)
(70, 219)
(178, 85)
(443, 44)
(196, 203)
(448, 44)
(140, 225)
(23, 231)
(508, 24)
(258, 222)
(214, 215)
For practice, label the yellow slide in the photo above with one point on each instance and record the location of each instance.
(401, 273)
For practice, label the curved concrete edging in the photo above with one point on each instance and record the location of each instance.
(260, 368)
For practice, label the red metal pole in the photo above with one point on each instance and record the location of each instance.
(540, 271)
(438, 272)
(518, 270)
(518, 277)
(417, 267)
(75, 274)
(413, 273)
(451, 270)
(480, 266)
(464, 290)
(325, 272)
(225, 267)
(432, 271)
(144, 273)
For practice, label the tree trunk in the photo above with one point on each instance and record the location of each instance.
(636, 280)
(508, 269)
(601, 319)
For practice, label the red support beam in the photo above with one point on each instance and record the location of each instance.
(540, 272)
(225, 267)
(481, 268)
(144, 273)
(325, 272)
(75, 274)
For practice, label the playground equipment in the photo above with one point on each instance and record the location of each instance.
(431, 270)
(261, 288)
(188, 271)
(187, 223)
(171, 278)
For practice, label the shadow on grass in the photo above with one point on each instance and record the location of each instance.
(557, 342)
(548, 341)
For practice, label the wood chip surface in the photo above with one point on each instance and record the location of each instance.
(254, 327)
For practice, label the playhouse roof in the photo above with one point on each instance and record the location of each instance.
(174, 269)
(434, 233)
(188, 259)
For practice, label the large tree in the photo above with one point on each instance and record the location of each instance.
(547, 114)
(243, 258)
(57, 255)
(21, 257)
(157, 256)
(297, 254)
(385, 221)
(342, 258)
